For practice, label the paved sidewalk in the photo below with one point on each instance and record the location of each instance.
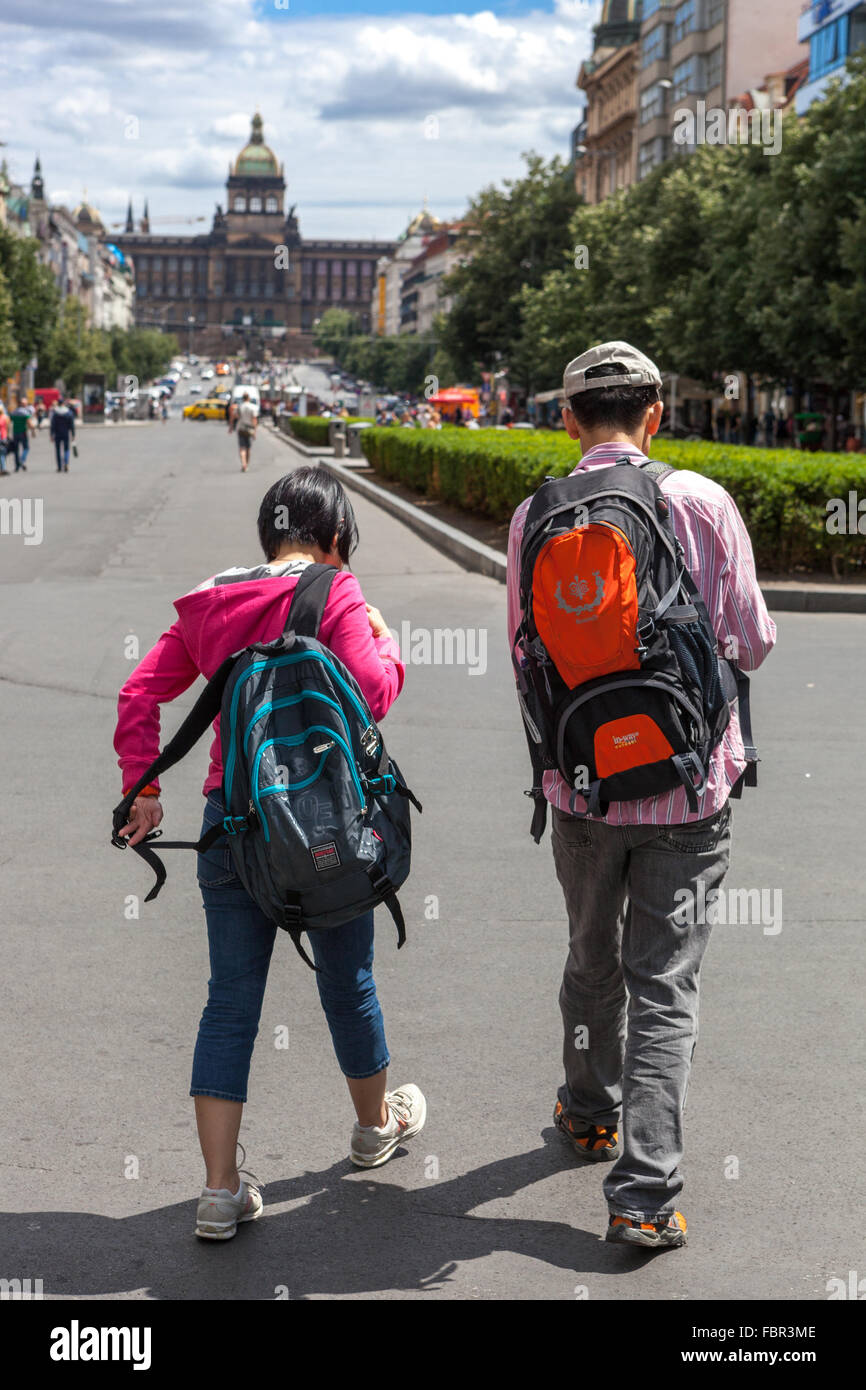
(98, 1157)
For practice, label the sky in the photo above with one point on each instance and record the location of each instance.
(371, 106)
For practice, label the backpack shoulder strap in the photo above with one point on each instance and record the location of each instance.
(200, 717)
(308, 600)
(656, 469)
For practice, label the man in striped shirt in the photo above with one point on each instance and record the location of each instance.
(624, 875)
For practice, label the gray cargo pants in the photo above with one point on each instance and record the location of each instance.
(629, 996)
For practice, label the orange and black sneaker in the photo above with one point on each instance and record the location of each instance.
(597, 1144)
(668, 1234)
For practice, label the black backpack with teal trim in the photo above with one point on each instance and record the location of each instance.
(317, 814)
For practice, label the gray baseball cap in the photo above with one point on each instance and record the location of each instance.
(637, 369)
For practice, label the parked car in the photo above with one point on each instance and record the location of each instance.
(212, 408)
(207, 374)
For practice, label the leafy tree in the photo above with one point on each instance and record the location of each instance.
(72, 349)
(334, 330)
(10, 354)
(512, 237)
(143, 353)
(33, 294)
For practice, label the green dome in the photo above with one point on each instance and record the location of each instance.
(257, 157)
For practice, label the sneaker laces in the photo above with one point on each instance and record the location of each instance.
(245, 1173)
(401, 1106)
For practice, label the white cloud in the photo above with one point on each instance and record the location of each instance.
(344, 103)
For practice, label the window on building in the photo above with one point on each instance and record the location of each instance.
(272, 204)
(685, 19)
(187, 263)
(366, 270)
(240, 203)
(651, 153)
(685, 78)
(654, 48)
(255, 204)
(715, 13)
(713, 69)
(157, 262)
(649, 8)
(652, 103)
(829, 47)
(172, 264)
(321, 267)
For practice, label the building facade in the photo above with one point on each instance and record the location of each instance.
(252, 274)
(705, 51)
(421, 298)
(833, 29)
(386, 308)
(604, 144)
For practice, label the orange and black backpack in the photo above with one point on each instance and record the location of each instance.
(621, 683)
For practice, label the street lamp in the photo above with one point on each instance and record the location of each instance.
(190, 321)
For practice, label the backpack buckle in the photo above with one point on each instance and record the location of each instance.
(233, 824)
(379, 880)
(293, 916)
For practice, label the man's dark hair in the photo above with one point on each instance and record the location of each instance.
(612, 407)
(307, 507)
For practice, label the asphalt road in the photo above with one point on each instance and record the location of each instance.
(100, 1012)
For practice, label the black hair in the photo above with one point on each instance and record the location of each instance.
(612, 407)
(308, 507)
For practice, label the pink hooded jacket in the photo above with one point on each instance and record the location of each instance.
(221, 616)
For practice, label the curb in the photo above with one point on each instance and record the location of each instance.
(471, 554)
(482, 559)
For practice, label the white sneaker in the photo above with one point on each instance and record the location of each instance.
(374, 1145)
(220, 1212)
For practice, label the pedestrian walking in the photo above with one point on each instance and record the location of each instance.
(22, 428)
(629, 994)
(305, 518)
(62, 432)
(5, 437)
(247, 423)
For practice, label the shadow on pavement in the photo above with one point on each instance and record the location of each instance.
(355, 1234)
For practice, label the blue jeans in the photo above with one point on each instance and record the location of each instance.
(61, 450)
(240, 941)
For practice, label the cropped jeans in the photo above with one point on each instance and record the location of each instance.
(629, 997)
(240, 941)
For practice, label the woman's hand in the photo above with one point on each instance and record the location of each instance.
(377, 623)
(145, 815)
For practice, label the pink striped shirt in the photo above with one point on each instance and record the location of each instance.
(718, 554)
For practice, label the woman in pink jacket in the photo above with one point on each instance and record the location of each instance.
(305, 518)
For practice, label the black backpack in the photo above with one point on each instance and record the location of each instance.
(621, 684)
(317, 814)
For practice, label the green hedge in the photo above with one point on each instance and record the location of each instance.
(312, 429)
(782, 493)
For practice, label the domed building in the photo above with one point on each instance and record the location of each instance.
(252, 278)
(85, 217)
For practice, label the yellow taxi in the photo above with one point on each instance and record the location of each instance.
(213, 408)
